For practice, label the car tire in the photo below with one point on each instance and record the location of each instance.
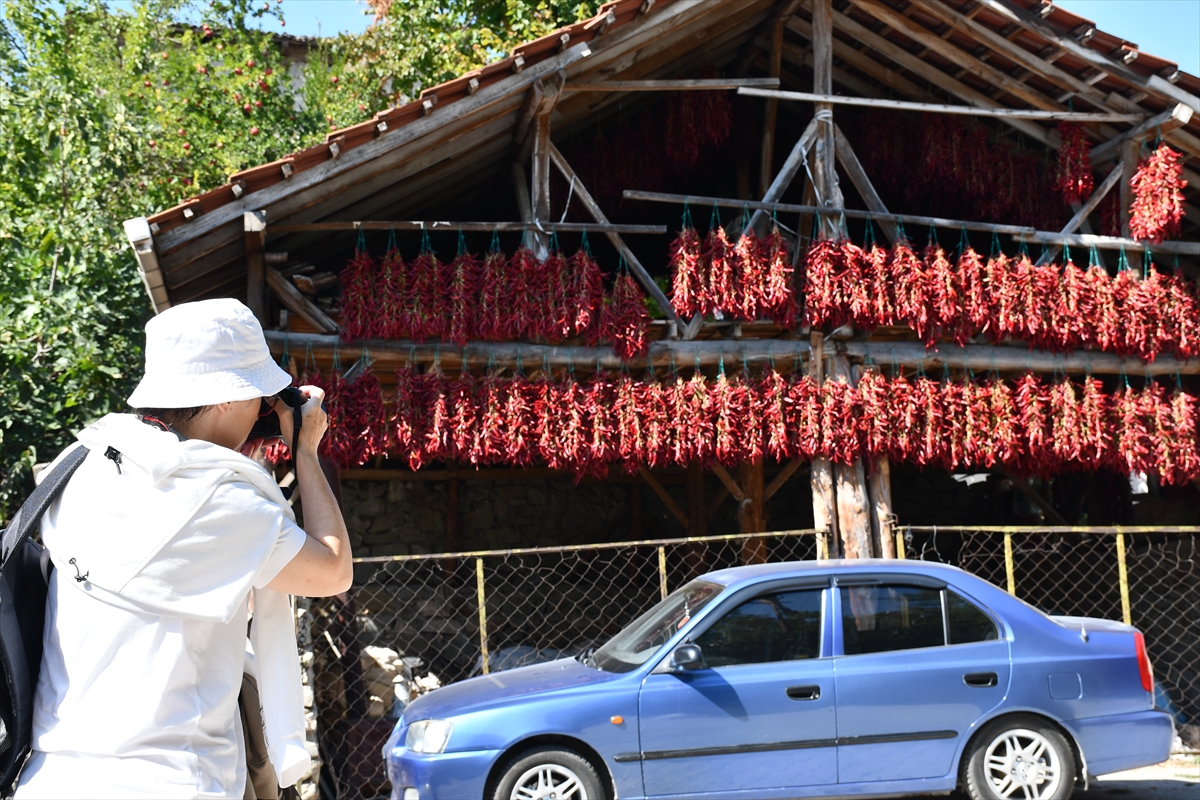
(1022, 750)
(549, 772)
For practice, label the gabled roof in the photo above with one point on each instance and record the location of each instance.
(456, 138)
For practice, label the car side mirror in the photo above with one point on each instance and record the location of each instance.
(687, 657)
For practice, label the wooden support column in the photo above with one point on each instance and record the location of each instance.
(858, 176)
(853, 504)
(539, 192)
(824, 508)
(696, 553)
(824, 169)
(255, 223)
(879, 486)
(752, 512)
(1082, 211)
(1130, 151)
(771, 112)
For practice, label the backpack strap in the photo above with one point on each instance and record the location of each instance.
(30, 513)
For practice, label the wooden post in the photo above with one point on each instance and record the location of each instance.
(540, 185)
(751, 513)
(695, 556)
(824, 509)
(879, 486)
(771, 112)
(255, 223)
(1129, 160)
(824, 171)
(853, 506)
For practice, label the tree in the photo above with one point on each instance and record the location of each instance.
(111, 112)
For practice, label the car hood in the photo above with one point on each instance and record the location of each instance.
(486, 690)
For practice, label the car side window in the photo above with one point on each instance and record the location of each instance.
(784, 626)
(967, 622)
(883, 617)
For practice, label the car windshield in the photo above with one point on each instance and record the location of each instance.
(639, 640)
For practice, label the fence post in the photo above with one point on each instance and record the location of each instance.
(1123, 575)
(483, 646)
(900, 544)
(1008, 565)
(823, 544)
(662, 571)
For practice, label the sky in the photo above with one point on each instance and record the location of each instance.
(1166, 28)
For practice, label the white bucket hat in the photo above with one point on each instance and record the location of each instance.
(203, 353)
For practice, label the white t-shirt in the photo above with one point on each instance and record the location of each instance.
(132, 702)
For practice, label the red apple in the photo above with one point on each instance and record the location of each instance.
(254, 131)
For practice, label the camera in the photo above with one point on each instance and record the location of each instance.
(267, 426)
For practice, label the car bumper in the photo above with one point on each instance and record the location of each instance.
(444, 776)
(1124, 741)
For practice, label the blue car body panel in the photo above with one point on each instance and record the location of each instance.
(882, 724)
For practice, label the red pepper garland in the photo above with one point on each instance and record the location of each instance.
(357, 292)
(494, 300)
(1157, 196)
(464, 275)
(587, 294)
(1074, 179)
(391, 321)
(624, 319)
(426, 295)
(688, 278)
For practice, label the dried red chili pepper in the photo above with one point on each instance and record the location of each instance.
(778, 295)
(1074, 179)
(943, 295)
(624, 319)
(688, 280)
(495, 303)
(357, 293)
(464, 275)
(720, 267)
(1157, 196)
(587, 293)
(392, 319)
(427, 297)
(821, 267)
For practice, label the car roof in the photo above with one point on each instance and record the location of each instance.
(753, 573)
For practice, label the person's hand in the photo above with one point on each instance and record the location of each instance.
(314, 419)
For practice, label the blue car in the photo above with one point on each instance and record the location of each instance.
(805, 679)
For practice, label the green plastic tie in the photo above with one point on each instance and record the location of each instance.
(995, 243)
(391, 244)
(714, 219)
(584, 245)
(361, 246)
(462, 242)
(964, 241)
(685, 220)
(495, 248)
(425, 245)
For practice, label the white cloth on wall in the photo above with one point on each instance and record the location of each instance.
(137, 695)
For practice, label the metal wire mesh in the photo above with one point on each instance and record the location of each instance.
(1144, 576)
(414, 622)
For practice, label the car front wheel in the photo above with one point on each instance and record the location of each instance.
(1022, 758)
(547, 773)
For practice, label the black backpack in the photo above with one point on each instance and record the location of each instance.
(24, 577)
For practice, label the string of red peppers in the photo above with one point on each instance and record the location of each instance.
(1157, 196)
(1029, 425)
(494, 299)
(1057, 307)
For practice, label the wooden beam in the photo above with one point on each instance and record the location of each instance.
(824, 171)
(879, 488)
(795, 161)
(701, 84)
(480, 227)
(821, 476)
(729, 482)
(665, 496)
(877, 45)
(858, 176)
(1169, 120)
(141, 239)
(752, 512)
(539, 182)
(770, 111)
(297, 303)
(979, 357)
(853, 504)
(255, 223)
(728, 202)
(1132, 246)
(941, 108)
(1150, 83)
(593, 208)
(782, 478)
(1082, 213)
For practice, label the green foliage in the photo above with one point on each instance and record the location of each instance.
(110, 112)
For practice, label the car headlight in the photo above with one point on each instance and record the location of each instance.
(428, 736)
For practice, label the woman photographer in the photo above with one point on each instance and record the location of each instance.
(159, 540)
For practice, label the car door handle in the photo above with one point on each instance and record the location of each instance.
(804, 692)
(980, 680)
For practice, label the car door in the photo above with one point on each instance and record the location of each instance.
(917, 665)
(758, 714)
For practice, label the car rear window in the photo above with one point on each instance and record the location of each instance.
(879, 618)
(967, 622)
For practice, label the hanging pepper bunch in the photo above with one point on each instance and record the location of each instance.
(1157, 196)
(463, 296)
(1074, 179)
(1056, 307)
(624, 318)
(358, 296)
(1031, 425)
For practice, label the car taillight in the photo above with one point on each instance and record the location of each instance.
(1144, 669)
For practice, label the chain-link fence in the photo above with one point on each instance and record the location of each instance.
(415, 622)
(1145, 576)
